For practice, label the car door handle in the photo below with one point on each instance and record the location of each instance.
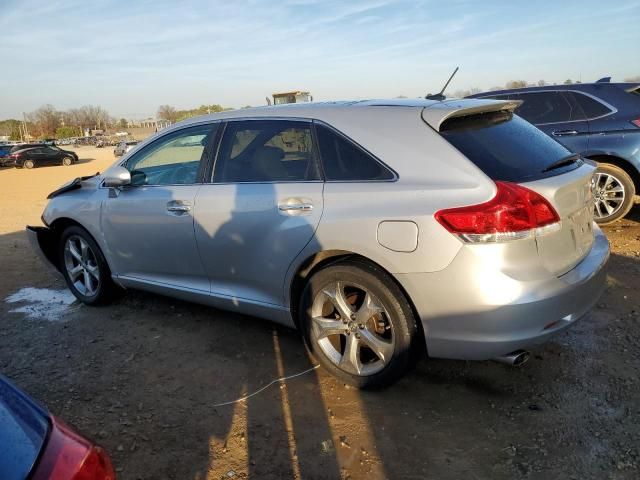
(295, 207)
(178, 207)
(562, 133)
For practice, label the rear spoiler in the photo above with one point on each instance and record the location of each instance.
(435, 115)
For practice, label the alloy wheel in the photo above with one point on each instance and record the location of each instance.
(67, 161)
(608, 193)
(351, 326)
(28, 164)
(82, 266)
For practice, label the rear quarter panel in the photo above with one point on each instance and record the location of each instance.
(432, 175)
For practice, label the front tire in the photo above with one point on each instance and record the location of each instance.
(67, 161)
(358, 324)
(614, 193)
(84, 267)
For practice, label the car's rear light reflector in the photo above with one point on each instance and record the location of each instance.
(68, 456)
(636, 122)
(516, 212)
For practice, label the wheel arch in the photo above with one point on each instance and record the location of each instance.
(619, 162)
(59, 225)
(322, 259)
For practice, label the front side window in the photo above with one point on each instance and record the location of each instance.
(266, 151)
(343, 160)
(173, 159)
(546, 107)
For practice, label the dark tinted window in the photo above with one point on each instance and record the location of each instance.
(505, 147)
(266, 151)
(590, 106)
(344, 160)
(546, 107)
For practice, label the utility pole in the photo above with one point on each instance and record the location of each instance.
(24, 122)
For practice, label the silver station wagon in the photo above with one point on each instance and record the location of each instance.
(383, 230)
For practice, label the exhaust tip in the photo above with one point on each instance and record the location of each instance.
(515, 359)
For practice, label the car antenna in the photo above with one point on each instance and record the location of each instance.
(440, 96)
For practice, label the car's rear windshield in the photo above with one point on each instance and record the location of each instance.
(506, 147)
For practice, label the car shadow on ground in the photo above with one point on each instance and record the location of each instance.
(142, 377)
(85, 160)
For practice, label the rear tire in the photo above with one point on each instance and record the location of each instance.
(28, 164)
(372, 348)
(84, 267)
(614, 193)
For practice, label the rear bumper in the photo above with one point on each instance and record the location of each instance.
(44, 243)
(471, 313)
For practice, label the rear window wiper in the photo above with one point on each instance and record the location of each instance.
(563, 162)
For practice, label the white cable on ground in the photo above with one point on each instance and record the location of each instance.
(281, 379)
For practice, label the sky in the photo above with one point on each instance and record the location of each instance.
(132, 56)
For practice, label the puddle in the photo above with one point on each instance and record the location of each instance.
(42, 303)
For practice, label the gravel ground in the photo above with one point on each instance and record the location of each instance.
(142, 376)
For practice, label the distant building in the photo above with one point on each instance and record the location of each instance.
(291, 97)
(154, 123)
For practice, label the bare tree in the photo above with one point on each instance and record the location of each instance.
(46, 120)
(635, 79)
(167, 112)
(541, 83)
(516, 84)
(88, 116)
(466, 93)
(568, 81)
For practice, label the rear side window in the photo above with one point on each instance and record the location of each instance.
(590, 106)
(505, 147)
(546, 107)
(343, 160)
(266, 151)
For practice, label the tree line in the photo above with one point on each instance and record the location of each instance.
(48, 122)
(513, 84)
(171, 114)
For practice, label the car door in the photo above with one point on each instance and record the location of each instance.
(557, 114)
(148, 226)
(37, 155)
(51, 156)
(261, 209)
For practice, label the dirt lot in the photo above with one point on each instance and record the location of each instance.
(142, 378)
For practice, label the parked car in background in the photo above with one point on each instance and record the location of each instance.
(124, 147)
(42, 155)
(5, 151)
(599, 121)
(38, 446)
(380, 229)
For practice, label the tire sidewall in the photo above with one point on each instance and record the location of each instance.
(103, 293)
(629, 191)
(400, 315)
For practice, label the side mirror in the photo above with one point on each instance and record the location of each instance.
(117, 177)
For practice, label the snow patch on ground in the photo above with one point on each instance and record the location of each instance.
(42, 303)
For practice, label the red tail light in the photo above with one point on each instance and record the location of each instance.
(514, 213)
(68, 456)
(636, 122)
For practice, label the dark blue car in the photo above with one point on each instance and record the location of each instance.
(600, 121)
(36, 446)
